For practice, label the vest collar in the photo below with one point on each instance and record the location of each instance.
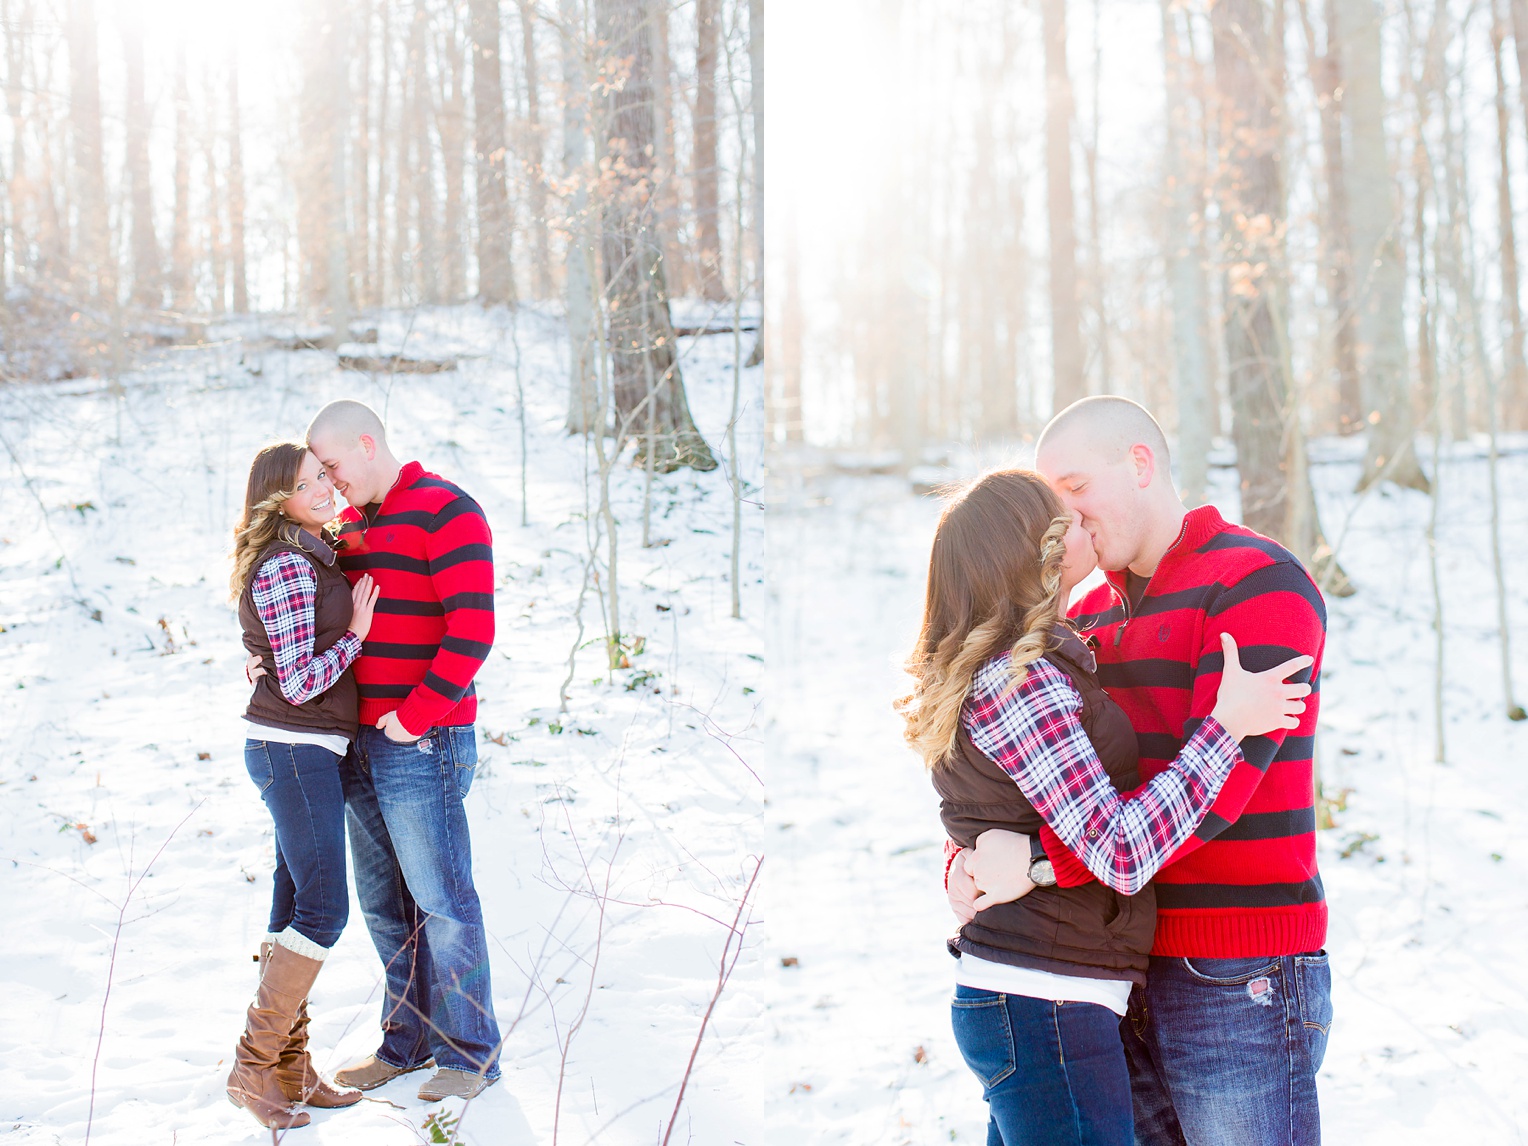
(321, 551)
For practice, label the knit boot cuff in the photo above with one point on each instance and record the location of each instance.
(298, 943)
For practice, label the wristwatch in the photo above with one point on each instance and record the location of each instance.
(1041, 873)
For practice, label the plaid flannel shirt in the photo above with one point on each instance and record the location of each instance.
(1034, 733)
(284, 593)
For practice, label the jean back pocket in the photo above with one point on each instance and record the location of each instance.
(984, 1034)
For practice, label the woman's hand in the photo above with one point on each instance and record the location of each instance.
(999, 864)
(960, 888)
(1252, 703)
(363, 599)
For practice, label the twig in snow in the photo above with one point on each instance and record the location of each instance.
(724, 968)
(111, 967)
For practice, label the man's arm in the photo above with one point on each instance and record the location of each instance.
(1274, 613)
(460, 553)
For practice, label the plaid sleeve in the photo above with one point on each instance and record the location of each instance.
(1033, 733)
(284, 592)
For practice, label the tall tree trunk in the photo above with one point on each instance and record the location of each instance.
(148, 281)
(321, 185)
(421, 166)
(1067, 360)
(535, 156)
(93, 264)
(756, 104)
(384, 283)
(1337, 241)
(1514, 391)
(20, 191)
(1185, 271)
(496, 282)
(236, 253)
(1379, 258)
(645, 368)
(1277, 499)
(181, 287)
(360, 246)
(584, 414)
(450, 125)
(703, 167)
(678, 270)
(215, 261)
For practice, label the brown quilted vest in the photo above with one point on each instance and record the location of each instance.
(1089, 931)
(333, 711)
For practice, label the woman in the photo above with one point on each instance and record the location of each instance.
(1009, 717)
(299, 613)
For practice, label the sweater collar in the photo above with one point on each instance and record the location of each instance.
(408, 474)
(1199, 525)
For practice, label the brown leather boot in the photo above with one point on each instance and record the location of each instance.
(299, 1078)
(252, 1083)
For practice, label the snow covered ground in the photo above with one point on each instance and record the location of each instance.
(124, 800)
(1425, 870)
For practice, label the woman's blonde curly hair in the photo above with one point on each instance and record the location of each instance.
(272, 479)
(994, 584)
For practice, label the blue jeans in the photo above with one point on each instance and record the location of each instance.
(1224, 1052)
(1053, 1073)
(300, 784)
(413, 876)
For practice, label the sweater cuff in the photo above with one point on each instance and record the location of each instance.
(416, 722)
(951, 850)
(1070, 871)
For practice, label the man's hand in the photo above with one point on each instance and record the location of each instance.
(961, 889)
(393, 729)
(252, 669)
(999, 865)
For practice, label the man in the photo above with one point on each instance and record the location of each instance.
(1224, 1042)
(427, 546)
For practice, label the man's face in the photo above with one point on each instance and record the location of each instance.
(349, 464)
(1104, 494)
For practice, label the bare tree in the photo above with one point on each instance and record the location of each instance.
(584, 413)
(93, 265)
(451, 127)
(1185, 268)
(1514, 391)
(1379, 259)
(534, 156)
(236, 248)
(495, 281)
(704, 167)
(147, 277)
(180, 230)
(648, 388)
(1068, 362)
(1336, 239)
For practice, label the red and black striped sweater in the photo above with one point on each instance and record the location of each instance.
(429, 550)
(1245, 884)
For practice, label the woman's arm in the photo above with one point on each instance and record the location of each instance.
(1034, 734)
(284, 593)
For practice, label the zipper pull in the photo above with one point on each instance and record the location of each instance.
(1119, 633)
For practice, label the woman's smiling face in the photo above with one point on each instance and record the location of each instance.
(312, 503)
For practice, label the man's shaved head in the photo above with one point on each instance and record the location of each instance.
(1111, 425)
(1107, 459)
(342, 423)
(347, 437)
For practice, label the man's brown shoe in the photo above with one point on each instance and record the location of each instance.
(452, 1083)
(371, 1072)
